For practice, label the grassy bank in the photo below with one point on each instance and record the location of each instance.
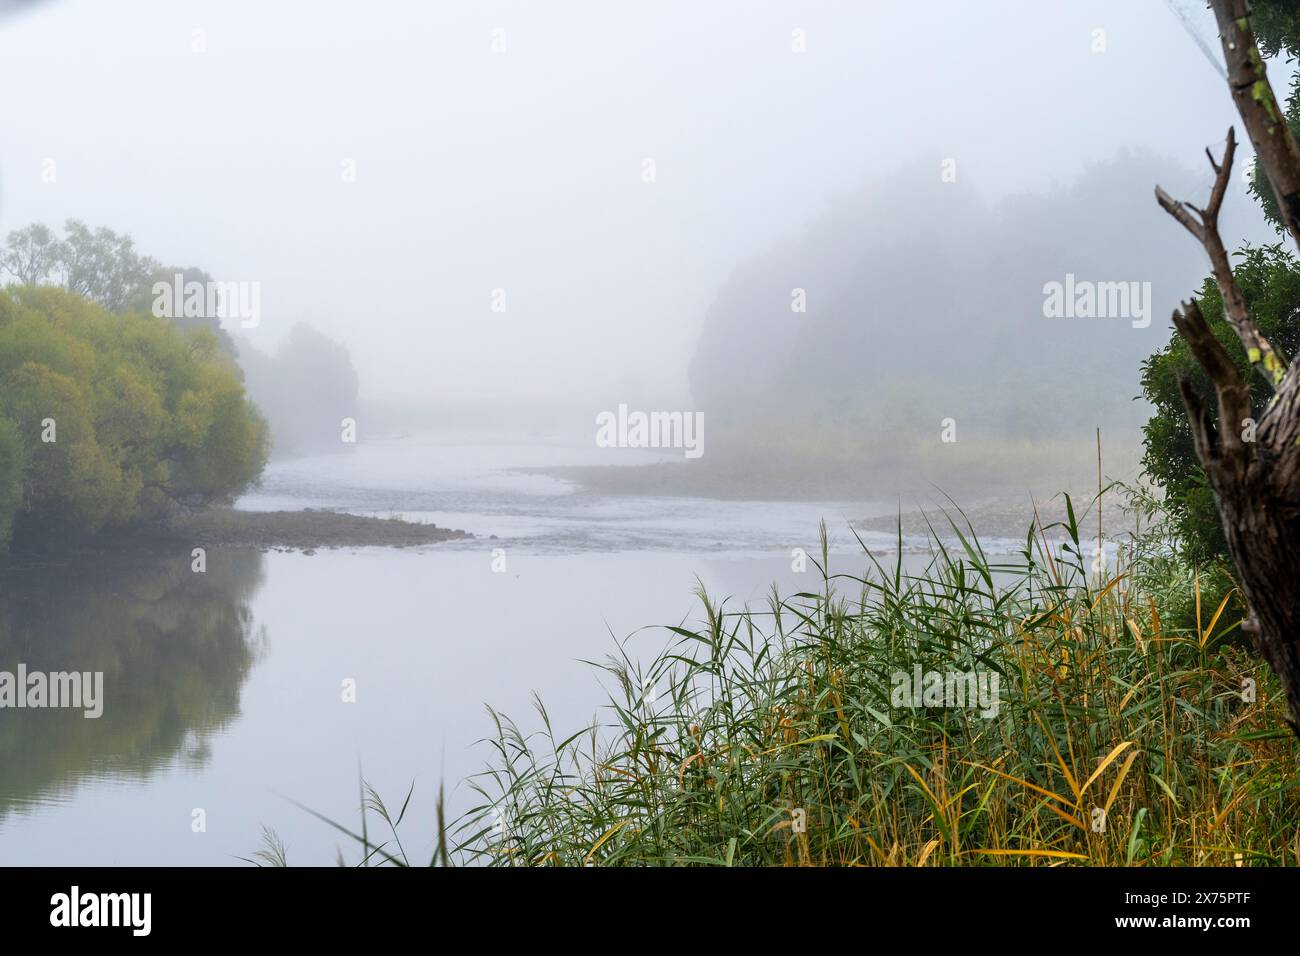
(1122, 734)
(833, 463)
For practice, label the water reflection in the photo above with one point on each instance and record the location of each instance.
(175, 648)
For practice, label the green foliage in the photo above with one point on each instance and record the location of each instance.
(1269, 278)
(1277, 30)
(1186, 594)
(144, 414)
(102, 266)
(142, 298)
(1259, 185)
(1277, 26)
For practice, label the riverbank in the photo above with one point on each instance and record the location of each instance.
(977, 472)
(306, 531)
(1009, 517)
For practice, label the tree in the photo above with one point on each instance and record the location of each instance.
(121, 418)
(1255, 478)
(102, 265)
(31, 255)
(97, 263)
(141, 300)
(1269, 279)
(305, 389)
(1277, 28)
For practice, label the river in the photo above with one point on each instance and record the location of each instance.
(224, 692)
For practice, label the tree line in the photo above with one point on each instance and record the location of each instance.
(110, 416)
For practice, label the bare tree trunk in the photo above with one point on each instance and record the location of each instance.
(1257, 482)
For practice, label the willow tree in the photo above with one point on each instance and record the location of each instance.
(1251, 457)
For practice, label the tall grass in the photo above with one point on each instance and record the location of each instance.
(768, 736)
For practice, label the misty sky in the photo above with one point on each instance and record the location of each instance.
(522, 169)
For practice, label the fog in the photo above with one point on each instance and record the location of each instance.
(523, 211)
(522, 326)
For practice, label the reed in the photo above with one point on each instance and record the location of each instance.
(1123, 736)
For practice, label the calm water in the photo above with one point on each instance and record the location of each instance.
(222, 690)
